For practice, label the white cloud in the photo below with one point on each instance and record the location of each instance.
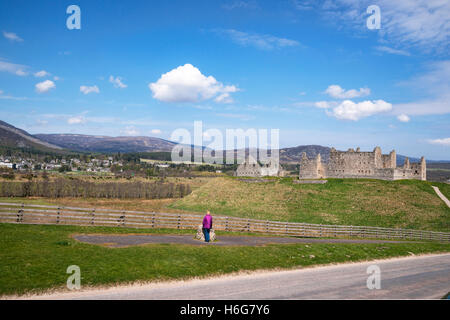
(443, 142)
(349, 110)
(21, 73)
(13, 98)
(241, 5)
(224, 98)
(76, 120)
(117, 82)
(337, 92)
(87, 90)
(202, 107)
(324, 104)
(260, 41)
(45, 86)
(155, 131)
(303, 5)
(41, 74)
(1, 91)
(16, 69)
(424, 107)
(243, 117)
(435, 84)
(392, 51)
(130, 131)
(423, 24)
(403, 118)
(12, 36)
(187, 84)
(41, 122)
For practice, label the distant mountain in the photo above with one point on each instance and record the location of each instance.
(13, 137)
(294, 155)
(80, 142)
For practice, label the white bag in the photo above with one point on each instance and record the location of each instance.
(201, 236)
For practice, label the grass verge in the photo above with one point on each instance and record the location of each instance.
(34, 258)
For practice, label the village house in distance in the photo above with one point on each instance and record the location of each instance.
(358, 164)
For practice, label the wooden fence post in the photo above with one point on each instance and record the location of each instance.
(226, 223)
(248, 225)
(58, 215)
(179, 222)
(123, 218)
(20, 214)
(153, 220)
(93, 216)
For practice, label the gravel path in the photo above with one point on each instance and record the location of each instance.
(126, 240)
(439, 193)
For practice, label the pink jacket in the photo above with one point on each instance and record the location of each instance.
(207, 222)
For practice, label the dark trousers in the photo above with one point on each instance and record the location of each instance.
(206, 233)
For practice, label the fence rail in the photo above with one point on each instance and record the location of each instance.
(42, 214)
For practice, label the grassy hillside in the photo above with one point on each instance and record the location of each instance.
(402, 204)
(15, 138)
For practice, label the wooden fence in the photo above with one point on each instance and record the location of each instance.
(42, 214)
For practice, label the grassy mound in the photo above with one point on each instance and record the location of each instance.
(401, 204)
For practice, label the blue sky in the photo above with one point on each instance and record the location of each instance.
(309, 68)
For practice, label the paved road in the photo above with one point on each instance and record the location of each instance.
(125, 240)
(422, 277)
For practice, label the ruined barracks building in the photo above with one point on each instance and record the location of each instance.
(251, 168)
(358, 164)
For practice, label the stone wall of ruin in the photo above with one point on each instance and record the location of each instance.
(312, 168)
(357, 164)
(248, 170)
(251, 168)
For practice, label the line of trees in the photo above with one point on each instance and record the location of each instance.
(62, 187)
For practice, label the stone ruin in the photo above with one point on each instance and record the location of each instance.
(251, 168)
(359, 164)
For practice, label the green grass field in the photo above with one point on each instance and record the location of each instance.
(34, 258)
(400, 204)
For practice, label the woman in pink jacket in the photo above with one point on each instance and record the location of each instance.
(207, 225)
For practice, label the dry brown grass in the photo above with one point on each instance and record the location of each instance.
(157, 205)
(249, 199)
